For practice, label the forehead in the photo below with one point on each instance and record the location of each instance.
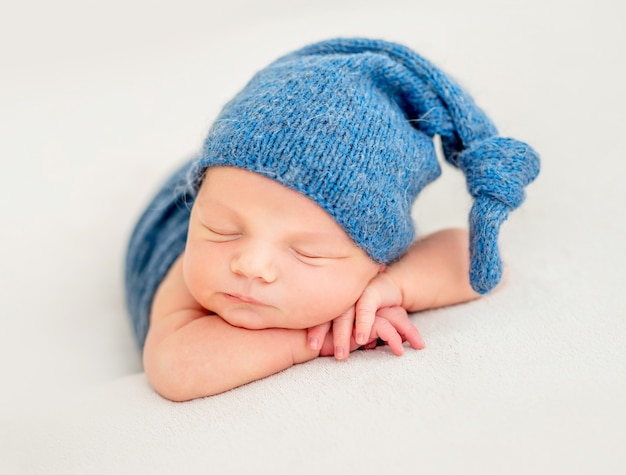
(257, 197)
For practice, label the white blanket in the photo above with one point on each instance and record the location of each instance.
(99, 104)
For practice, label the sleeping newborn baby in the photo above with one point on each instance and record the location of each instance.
(290, 235)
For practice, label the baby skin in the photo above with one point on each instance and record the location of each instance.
(268, 280)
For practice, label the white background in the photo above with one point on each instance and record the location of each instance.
(99, 101)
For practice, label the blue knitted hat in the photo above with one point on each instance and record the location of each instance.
(349, 123)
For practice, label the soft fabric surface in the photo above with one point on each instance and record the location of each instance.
(100, 104)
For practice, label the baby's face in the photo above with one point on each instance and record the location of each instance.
(261, 255)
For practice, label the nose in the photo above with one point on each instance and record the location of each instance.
(254, 261)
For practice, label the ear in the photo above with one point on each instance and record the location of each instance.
(382, 268)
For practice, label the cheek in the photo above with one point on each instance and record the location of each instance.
(348, 285)
(199, 267)
(323, 296)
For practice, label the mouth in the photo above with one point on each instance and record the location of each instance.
(242, 299)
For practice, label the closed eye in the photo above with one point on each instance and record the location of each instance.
(310, 257)
(307, 255)
(221, 235)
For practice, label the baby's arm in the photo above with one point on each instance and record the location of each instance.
(433, 273)
(190, 354)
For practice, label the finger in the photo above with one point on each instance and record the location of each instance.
(399, 318)
(381, 292)
(327, 348)
(413, 336)
(342, 331)
(401, 322)
(316, 335)
(366, 309)
(386, 331)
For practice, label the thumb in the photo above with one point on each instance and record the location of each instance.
(381, 292)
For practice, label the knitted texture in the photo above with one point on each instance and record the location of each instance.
(349, 123)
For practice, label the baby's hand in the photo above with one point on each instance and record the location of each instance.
(381, 293)
(392, 325)
(338, 341)
(357, 322)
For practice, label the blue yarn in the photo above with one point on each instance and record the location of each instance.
(350, 124)
(497, 170)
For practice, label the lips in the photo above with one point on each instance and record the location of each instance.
(242, 299)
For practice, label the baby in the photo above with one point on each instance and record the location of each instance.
(290, 236)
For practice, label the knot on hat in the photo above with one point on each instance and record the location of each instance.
(497, 169)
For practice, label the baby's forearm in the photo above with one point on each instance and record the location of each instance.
(206, 356)
(435, 271)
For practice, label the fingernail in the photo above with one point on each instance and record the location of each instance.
(360, 338)
(313, 343)
(339, 352)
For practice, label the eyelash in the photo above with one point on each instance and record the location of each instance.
(306, 255)
(226, 236)
(222, 236)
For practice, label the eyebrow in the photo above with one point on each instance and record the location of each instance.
(315, 235)
(213, 201)
(311, 234)
(331, 243)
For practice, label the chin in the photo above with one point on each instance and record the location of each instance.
(245, 318)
